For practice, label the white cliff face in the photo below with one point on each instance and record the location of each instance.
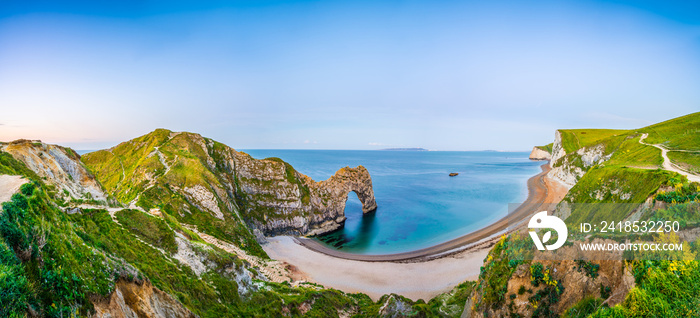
(569, 168)
(592, 156)
(58, 166)
(557, 148)
(539, 154)
(279, 200)
(204, 199)
(566, 175)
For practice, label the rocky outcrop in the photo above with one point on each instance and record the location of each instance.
(611, 281)
(280, 200)
(194, 174)
(395, 306)
(58, 166)
(139, 299)
(557, 147)
(569, 168)
(540, 154)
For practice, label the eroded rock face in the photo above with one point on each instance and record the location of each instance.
(569, 168)
(280, 200)
(539, 154)
(576, 282)
(269, 195)
(59, 166)
(142, 300)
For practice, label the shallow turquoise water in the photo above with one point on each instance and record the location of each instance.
(419, 205)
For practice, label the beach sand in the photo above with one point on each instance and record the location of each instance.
(420, 274)
(422, 280)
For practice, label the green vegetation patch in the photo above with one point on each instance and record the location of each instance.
(8, 165)
(583, 308)
(677, 133)
(574, 139)
(547, 148)
(631, 153)
(681, 193)
(151, 229)
(52, 271)
(612, 185)
(664, 289)
(494, 276)
(689, 161)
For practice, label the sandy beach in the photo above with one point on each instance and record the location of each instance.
(420, 274)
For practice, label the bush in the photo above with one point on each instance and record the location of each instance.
(536, 274)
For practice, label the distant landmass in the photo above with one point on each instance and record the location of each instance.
(405, 149)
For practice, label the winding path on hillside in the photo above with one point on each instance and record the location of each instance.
(9, 185)
(668, 165)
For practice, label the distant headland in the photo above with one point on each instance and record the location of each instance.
(404, 149)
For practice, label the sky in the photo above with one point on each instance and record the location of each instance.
(442, 75)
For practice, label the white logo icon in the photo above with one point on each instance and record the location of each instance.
(543, 221)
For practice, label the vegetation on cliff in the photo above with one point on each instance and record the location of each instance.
(56, 264)
(610, 167)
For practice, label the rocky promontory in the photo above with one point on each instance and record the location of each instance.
(279, 200)
(541, 153)
(210, 184)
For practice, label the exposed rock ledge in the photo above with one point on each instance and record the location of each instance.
(139, 299)
(281, 201)
(59, 166)
(568, 168)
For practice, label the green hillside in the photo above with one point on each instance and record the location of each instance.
(621, 175)
(54, 264)
(574, 139)
(633, 167)
(134, 171)
(682, 133)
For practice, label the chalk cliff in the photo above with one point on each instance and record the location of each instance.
(207, 182)
(59, 166)
(568, 168)
(540, 154)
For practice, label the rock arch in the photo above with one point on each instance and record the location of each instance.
(356, 180)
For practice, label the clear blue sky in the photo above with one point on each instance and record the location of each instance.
(444, 75)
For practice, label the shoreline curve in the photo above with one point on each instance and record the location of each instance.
(537, 195)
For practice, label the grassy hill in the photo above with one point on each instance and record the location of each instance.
(620, 178)
(155, 170)
(632, 168)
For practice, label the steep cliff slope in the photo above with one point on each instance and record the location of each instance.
(541, 152)
(218, 189)
(575, 151)
(608, 167)
(58, 166)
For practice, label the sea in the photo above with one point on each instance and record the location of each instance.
(418, 204)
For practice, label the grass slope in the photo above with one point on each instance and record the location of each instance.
(186, 159)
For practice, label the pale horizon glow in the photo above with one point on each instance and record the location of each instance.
(440, 75)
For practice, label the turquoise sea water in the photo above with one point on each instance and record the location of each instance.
(419, 205)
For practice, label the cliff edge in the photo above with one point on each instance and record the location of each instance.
(209, 184)
(541, 152)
